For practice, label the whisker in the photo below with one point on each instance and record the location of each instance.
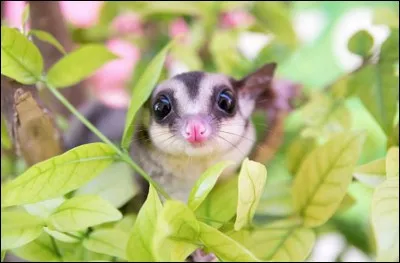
(231, 144)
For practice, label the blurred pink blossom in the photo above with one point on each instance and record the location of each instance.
(178, 28)
(13, 13)
(82, 14)
(236, 18)
(127, 23)
(110, 81)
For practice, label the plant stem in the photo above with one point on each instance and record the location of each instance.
(124, 155)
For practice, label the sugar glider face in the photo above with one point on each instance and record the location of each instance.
(201, 114)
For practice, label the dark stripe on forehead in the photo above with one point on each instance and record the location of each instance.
(191, 80)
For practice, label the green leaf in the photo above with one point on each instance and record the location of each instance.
(139, 246)
(142, 91)
(347, 202)
(385, 219)
(221, 204)
(3, 255)
(58, 175)
(48, 38)
(297, 152)
(41, 249)
(392, 162)
(223, 246)
(64, 237)
(81, 212)
(323, 178)
(372, 173)
(108, 241)
(45, 208)
(361, 43)
(127, 223)
(5, 138)
(19, 228)
(176, 234)
(276, 18)
(187, 55)
(280, 241)
(25, 16)
(252, 178)
(78, 65)
(276, 199)
(20, 58)
(115, 184)
(390, 49)
(205, 184)
(386, 16)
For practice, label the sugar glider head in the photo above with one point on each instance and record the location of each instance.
(201, 114)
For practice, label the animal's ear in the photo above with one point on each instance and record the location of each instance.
(257, 83)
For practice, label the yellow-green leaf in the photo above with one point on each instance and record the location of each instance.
(347, 202)
(392, 162)
(58, 175)
(252, 178)
(41, 249)
(323, 178)
(81, 212)
(139, 247)
(108, 241)
(176, 234)
(280, 241)
(223, 246)
(205, 184)
(3, 255)
(20, 58)
(115, 184)
(385, 219)
(78, 65)
(5, 138)
(45, 208)
(64, 237)
(25, 15)
(297, 151)
(48, 38)
(220, 205)
(276, 199)
(372, 173)
(19, 228)
(142, 91)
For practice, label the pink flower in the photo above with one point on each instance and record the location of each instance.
(237, 18)
(13, 13)
(178, 28)
(127, 23)
(110, 81)
(82, 14)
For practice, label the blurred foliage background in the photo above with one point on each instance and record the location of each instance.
(328, 47)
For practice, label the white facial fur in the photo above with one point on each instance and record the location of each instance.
(225, 138)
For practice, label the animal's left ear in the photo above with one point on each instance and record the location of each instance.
(256, 88)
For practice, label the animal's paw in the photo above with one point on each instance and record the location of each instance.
(200, 256)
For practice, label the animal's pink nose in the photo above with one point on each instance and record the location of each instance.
(196, 130)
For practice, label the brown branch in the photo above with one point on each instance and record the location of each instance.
(30, 125)
(46, 16)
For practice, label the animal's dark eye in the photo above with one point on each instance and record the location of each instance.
(162, 107)
(226, 101)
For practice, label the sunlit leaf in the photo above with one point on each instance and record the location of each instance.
(48, 38)
(81, 212)
(41, 249)
(19, 228)
(347, 202)
(139, 247)
(221, 204)
(252, 178)
(64, 237)
(3, 255)
(280, 241)
(392, 162)
(361, 43)
(386, 16)
(25, 15)
(115, 184)
(58, 175)
(223, 246)
(43, 209)
(78, 65)
(385, 219)
(176, 234)
(297, 152)
(20, 58)
(142, 91)
(372, 173)
(323, 178)
(127, 223)
(205, 184)
(108, 241)
(187, 55)
(276, 199)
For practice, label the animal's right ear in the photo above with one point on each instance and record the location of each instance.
(257, 82)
